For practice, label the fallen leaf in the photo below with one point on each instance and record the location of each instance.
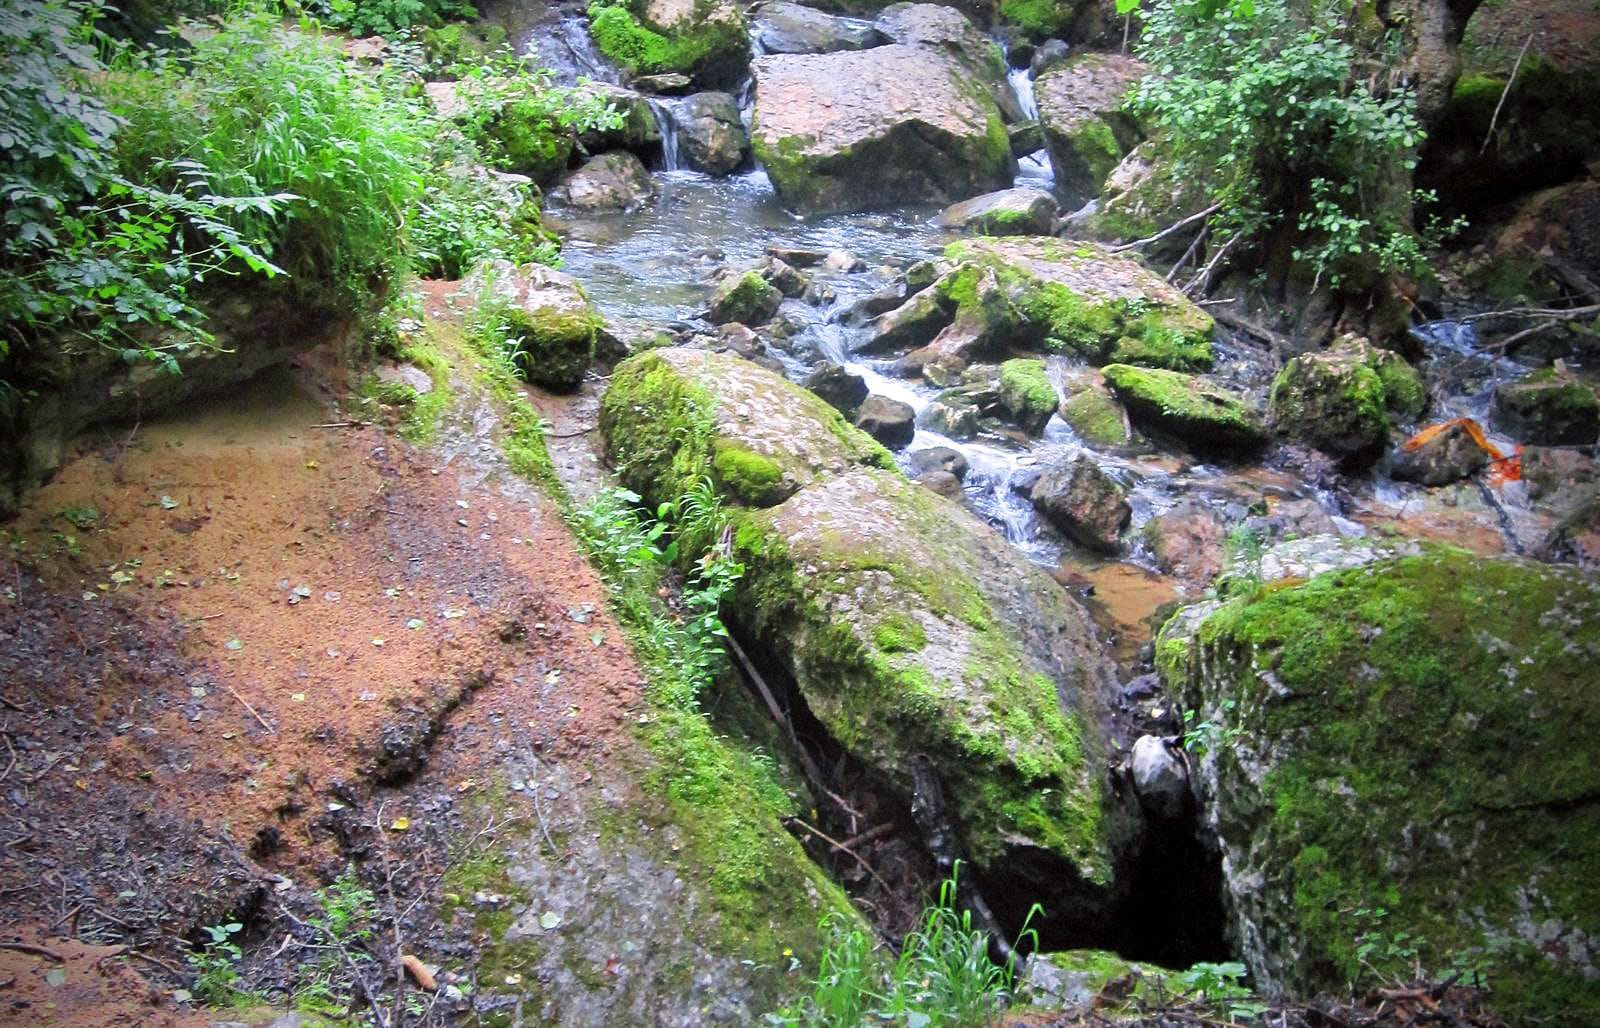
(298, 697)
(168, 503)
(234, 644)
(549, 920)
(56, 977)
(513, 979)
(401, 824)
(311, 464)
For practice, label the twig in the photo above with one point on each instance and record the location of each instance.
(1569, 314)
(9, 749)
(538, 808)
(38, 951)
(338, 946)
(1189, 253)
(164, 965)
(871, 833)
(841, 847)
(1517, 337)
(571, 435)
(1494, 118)
(1266, 335)
(252, 710)
(1202, 281)
(12, 705)
(394, 918)
(342, 424)
(808, 765)
(1164, 233)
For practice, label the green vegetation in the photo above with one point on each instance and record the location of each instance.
(550, 344)
(387, 17)
(1273, 105)
(1185, 407)
(1039, 19)
(1026, 393)
(942, 978)
(216, 971)
(1319, 675)
(708, 47)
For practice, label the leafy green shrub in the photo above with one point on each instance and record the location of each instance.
(388, 17)
(1275, 108)
(520, 119)
(259, 108)
(216, 971)
(87, 246)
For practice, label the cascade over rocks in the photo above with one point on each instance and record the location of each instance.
(855, 130)
(1416, 734)
(789, 28)
(1085, 128)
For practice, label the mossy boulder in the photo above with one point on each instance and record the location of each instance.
(1022, 211)
(707, 40)
(911, 629)
(1145, 193)
(1039, 20)
(1410, 753)
(1078, 298)
(1547, 409)
(1086, 129)
(1093, 413)
(747, 298)
(1201, 416)
(1026, 395)
(544, 314)
(1339, 400)
(674, 416)
(857, 130)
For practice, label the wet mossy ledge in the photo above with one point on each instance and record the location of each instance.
(1410, 759)
(1079, 298)
(906, 625)
(705, 39)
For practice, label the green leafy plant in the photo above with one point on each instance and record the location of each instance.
(942, 977)
(1202, 736)
(346, 918)
(388, 17)
(1299, 127)
(1223, 986)
(216, 966)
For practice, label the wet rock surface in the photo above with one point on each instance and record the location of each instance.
(1085, 129)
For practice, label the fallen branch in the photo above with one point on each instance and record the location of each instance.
(841, 847)
(38, 951)
(1202, 281)
(1568, 314)
(1169, 230)
(807, 764)
(1517, 337)
(255, 713)
(1278, 342)
(1494, 118)
(571, 435)
(342, 424)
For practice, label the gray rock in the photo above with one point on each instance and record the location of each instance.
(639, 130)
(1047, 55)
(946, 31)
(1020, 211)
(1084, 502)
(783, 277)
(1026, 137)
(958, 421)
(746, 297)
(941, 482)
(1160, 778)
(887, 420)
(1547, 409)
(671, 83)
(842, 388)
(844, 262)
(1085, 128)
(914, 323)
(1447, 457)
(788, 28)
(939, 458)
(711, 135)
(615, 181)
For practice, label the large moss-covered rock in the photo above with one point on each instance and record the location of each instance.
(1021, 211)
(1203, 417)
(895, 124)
(672, 417)
(544, 313)
(1410, 747)
(1547, 409)
(1339, 400)
(1039, 20)
(1143, 195)
(706, 40)
(1026, 395)
(1085, 128)
(1078, 298)
(911, 628)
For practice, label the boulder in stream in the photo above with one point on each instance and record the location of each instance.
(891, 422)
(1547, 408)
(744, 297)
(544, 313)
(1091, 411)
(911, 628)
(1020, 211)
(706, 40)
(711, 136)
(1447, 456)
(1085, 127)
(1198, 415)
(615, 181)
(856, 130)
(780, 27)
(943, 30)
(1026, 396)
(1086, 504)
(674, 416)
(1339, 400)
(842, 388)
(1076, 297)
(1406, 748)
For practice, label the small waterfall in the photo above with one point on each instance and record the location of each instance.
(1022, 88)
(667, 121)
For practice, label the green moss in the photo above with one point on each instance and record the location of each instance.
(900, 634)
(1096, 418)
(1096, 147)
(528, 140)
(662, 433)
(420, 411)
(1026, 393)
(1039, 20)
(710, 50)
(554, 347)
(1186, 407)
(1403, 392)
(1457, 831)
(748, 300)
(750, 477)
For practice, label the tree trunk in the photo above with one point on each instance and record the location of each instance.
(1433, 31)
